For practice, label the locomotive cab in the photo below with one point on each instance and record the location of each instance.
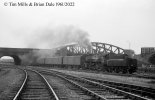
(93, 62)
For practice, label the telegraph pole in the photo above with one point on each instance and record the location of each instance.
(129, 44)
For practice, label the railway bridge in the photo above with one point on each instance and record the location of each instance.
(94, 48)
(15, 53)
(67, 50)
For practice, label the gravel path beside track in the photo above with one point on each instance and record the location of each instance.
(8, 81)
(4, 72)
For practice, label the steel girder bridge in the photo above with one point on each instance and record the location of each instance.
(95, 48)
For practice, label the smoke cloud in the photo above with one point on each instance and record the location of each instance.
(51, 38)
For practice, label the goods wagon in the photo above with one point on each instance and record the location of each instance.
(73, 61)
(53, 61)
(110, 62)
(40, 61)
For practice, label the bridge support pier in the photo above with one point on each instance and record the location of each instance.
(17, 60)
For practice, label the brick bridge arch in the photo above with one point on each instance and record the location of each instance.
(16, 53)
(17, 60)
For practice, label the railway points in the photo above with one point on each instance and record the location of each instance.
(97, 88)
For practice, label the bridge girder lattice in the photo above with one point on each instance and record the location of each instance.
(95, 48)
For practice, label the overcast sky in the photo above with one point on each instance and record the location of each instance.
(124, 23)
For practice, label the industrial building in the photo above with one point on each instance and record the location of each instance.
(147, 51)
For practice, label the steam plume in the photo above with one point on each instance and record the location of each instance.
(49, 38)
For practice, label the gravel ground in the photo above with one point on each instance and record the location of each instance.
(8, 81)
(64, 90)
(4, 72)
(130, 80)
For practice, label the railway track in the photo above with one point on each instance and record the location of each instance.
(35, 87)
(142, 91)
(97, 90)
(65, 89)
(138, 75)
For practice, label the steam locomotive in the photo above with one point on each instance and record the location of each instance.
(118, 63)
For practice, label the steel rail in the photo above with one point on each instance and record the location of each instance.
(19, 91)
(49, 86)
(46, 82)
(114, 89)
(126, 87)
(137, 97)
(84, 89)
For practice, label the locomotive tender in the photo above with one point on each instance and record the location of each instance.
(120, 63)
(110, 62)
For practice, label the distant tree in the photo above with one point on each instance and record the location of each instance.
(152, 59)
